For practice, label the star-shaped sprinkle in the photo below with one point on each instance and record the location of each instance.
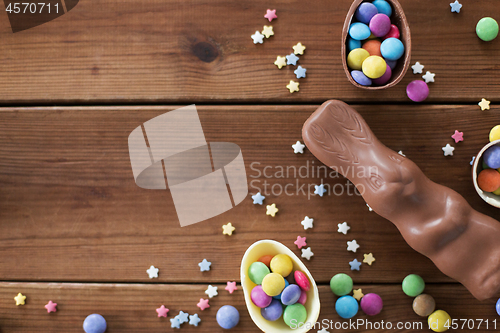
(162, 311)
(258, 198)
(401, 153)
(227, 229)
(280, 61)
(352, 246)
(319, 189)
(343, 228)
(51, 307)
(268, 31)
(369, 258)
(298, 48)
(292, 86)
(458, 136)
(298, 147)
(300, 242)
(194, 319)
(355, 265)
(271, 210)
(300, 72)
(417, 68)
(211, 291)
(291, 59)
(428, 77)
(455, 6)
(153, 272)
(448, 150)
(182, 317)
(174, 323)
(323, 330)
(204, 265)
(357, 294)
(472, 161)
(231, 287)
(20, 299)
(484, 104)
(369, 208)
(203, 304)
(307, 222)
(307, 253)
(258, 38)
(270, 14)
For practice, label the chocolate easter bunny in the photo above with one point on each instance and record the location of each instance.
(433, 219)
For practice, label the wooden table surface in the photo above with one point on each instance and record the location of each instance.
(77, 230)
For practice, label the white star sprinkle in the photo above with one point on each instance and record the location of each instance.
(401, 153)
(211, 291)
(323, 331)
(417, 68)
(307, 253)
(153, 272)
(428, 77)
(343, 228)
(369, 208)
(307, 223)
(258, 38)
(298, 147)
(258, 198)
(448, 150)
(352, 246)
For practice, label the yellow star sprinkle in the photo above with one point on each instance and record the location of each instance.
(228, 229)
(280, 62)
(369, 259)
(357, 294)
(293, 86)
(484, 104)
(20, 298)
(299, 48)
(271, 210)
(268, 31)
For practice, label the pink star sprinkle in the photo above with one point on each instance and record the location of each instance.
(300, 242)
(51, 307)
(203, 304)
(271, 14)
(162, 311)
(231, 286)
(458, 136)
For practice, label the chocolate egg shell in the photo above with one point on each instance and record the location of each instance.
(398, 18)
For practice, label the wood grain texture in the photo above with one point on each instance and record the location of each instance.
(131, 307)
(175, 51)
(70, 210)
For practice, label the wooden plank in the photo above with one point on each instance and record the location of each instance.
(70, 210)
(131, 307)
(201, 51)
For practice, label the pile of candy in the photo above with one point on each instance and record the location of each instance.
(346, 305)
(272, 291)
(373, 44)
(488, 179)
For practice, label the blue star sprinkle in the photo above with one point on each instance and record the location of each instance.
(300, 72)
(174, 323)
(319, 190)
(455, 6)
(355, 264)
(291, 59)
(258, 198)
(182, 317)
(194, 319)
(204, 265)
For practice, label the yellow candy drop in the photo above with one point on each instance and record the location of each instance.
(497, 191)
(374, 67)
(439, 321)
(281, 264)
(495, 133)
(356, 57)
(273, 284)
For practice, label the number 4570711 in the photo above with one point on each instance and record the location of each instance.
(31, 8)
(470, 324)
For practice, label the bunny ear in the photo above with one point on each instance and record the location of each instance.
(351, 121)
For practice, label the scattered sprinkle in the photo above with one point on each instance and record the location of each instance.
(355, 265)
(472, 161)
(280, 62)
(271, 14)
(227, 229)
(182, 317)
(174, 323)
(204, 265)
(319, 189)
(369, 208)
(194, 319)
(458, 136)
(357, 294)
(258, 198)
(455, 6)
(428, 77)
(484, 104)
(268, 31)
(417, 68)
(448, 150)
(307, 222)
(307, 253)
(401, 153)
(298, 147)
(162, 311)
(300, 242)
(293, 86)
(20, 299)
(258, 38)
(369, 258)
(211, 291)
(51, 307)
(203, 304)
(300, 72)
(323, 330)
(153, 272)
(299, 48)
(271, 210)
(352, 245)
(291, 59)
(231, 287)
(343, 228)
